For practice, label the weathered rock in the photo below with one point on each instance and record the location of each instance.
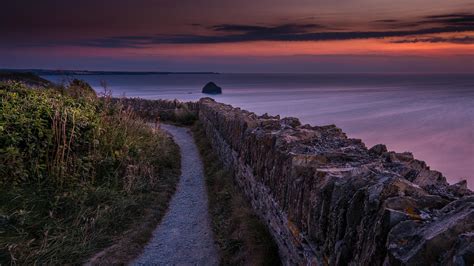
(462, 253)
(211, 88)
(327, 199)
(413, 243)
(378, 149)
(459, 189)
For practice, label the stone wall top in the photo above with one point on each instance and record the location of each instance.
(348, 203)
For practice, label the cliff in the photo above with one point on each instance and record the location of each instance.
(327, 199)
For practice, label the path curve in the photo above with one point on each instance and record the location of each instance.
(184, 236)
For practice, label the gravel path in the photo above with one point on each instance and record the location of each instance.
(184, 236)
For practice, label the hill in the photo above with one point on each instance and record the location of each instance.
(28, 78)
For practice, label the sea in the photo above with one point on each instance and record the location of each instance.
(430, 115)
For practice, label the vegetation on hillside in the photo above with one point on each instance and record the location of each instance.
(241, 237)
(75, 171)
(26, 78)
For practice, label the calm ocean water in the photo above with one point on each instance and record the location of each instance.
(431, 115)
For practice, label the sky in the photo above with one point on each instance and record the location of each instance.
(239, 36)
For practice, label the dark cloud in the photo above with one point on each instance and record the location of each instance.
(452, 15)
(465, 19)
(385, 21)
(227, 33)
(280, 29)
(230, 33)
(238, 28)
(121, 42)
(443, 20)
(457, 40)
(258, 33)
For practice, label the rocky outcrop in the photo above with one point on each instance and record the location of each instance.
(327, 199)
(211, 88)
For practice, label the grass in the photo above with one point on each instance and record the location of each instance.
(76, 172)
(241, 237)
(168, 111)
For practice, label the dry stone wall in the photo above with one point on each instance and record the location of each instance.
(328, 200)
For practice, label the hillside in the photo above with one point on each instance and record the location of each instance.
(28, 78)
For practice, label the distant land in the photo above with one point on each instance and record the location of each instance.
(49, 72)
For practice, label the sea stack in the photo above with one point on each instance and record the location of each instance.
(211, 88)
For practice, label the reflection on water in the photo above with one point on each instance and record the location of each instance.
(429, 115)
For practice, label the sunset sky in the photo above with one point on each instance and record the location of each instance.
(239, 36)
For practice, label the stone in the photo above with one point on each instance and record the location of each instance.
(463, 251)
(211, 88)
(459, 189)
(378, 149)
(413, 243)
(292, 122)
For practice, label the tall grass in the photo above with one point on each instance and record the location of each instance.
(75, 172)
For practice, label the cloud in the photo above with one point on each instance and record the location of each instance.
(232, 33)
(119, 42)
(457, 40)
(465, 19)
(385, 21)
(280, 29)
(443, 20)
(263, 34)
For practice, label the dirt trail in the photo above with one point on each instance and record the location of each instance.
(184, 236)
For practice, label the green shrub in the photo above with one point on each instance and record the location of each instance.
(80, 89)
(38, 131)
(182, 116)
(75, 172)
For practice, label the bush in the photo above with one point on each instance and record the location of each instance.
(75, 172)
(39, 129)
(182, 116)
